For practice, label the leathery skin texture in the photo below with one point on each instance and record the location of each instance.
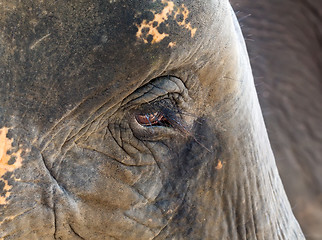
(133, 120)
(284, 44)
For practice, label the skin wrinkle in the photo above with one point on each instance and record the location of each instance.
(145, 197)
(135, 220)
(150, 199)
(251, 158)
(80, 237)
(137, 140)
(107, 235)
(184, 173)
(255, 229)
(85, 128)
(57, 164)
(143, 95)
(121, 146)
(160, 232)
(63, 148)
(124, 147)
(52, 130)
(172, 217)
(53, 178)
(254, 205)
(132, 185)
(241, 217)
(183, 92)
(250, 224)
(115, 135)
(156, 161)
(287, 71)
(132, 145)
(188, 169)
(251, 206)
(70, 116)
(115, 159)
(127, 99)
(21, 216)
(15, 216)
(55, 221)
(149, 151)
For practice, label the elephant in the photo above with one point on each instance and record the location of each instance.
(285, 53)
(133, 120)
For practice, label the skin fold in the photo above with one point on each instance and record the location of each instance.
(78, 159)
(284, 42)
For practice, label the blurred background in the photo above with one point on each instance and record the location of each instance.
(284, 41)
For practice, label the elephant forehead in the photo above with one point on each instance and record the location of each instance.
(111, 33)
(59, 53)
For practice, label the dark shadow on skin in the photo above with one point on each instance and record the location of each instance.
(189, 171)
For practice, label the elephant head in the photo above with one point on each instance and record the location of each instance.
(133, 120)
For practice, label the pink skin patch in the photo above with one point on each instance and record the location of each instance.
(170, 10)
(10, 160)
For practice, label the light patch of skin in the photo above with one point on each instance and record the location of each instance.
(39, 40)
(172, 44)
(219, 165)
(160, 18)
(5, 156)
(8, 5)
(185, 12)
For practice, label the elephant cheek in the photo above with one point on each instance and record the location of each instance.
(106, 195)
(97, 180)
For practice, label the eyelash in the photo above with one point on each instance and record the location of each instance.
(162, 118)
(153, 119)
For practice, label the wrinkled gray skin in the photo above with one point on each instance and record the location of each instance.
(284, 39)
(74, 77)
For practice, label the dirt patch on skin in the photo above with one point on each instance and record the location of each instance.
(219, 165)
(150, 29)
(10, 160)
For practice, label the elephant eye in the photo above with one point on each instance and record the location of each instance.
(152, 119)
